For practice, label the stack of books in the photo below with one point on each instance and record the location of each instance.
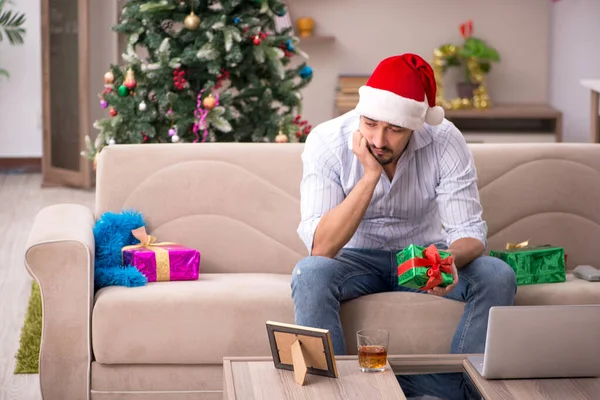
(346, 97)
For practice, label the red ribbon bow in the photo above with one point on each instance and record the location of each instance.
(433, 260)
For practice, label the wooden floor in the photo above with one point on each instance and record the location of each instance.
(21, 197)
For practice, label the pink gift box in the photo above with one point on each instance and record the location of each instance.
(162, 261)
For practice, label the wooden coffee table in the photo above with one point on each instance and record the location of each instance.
(256, 378)
(533, 389)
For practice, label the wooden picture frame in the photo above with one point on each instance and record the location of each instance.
(302, 349)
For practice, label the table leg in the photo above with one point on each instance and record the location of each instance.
(595, 120)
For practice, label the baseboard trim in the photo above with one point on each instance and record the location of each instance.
(21, 165)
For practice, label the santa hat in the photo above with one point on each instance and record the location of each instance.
(401, 92)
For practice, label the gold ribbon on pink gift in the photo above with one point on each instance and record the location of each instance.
(163, 265)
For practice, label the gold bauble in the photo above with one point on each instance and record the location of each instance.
(192, 21)
(209, 102)
(281, 138)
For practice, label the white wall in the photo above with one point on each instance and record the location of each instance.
(574, 56)
(21, 94)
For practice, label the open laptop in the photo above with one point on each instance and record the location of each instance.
(528, 342)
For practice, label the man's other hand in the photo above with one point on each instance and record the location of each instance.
(442, 291)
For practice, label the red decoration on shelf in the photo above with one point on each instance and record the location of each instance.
(466, 29)
(179, 78)
(146, 138)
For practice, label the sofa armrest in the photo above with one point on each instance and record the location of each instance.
(60, 257)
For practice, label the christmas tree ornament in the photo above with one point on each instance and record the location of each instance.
(111, 141)
(113, 112)
(152, 96)
(282, 12)
(209, 102)
(123, 91)
(170, 112)
(236, 20)
(129, 82)
(192, 21)
(173, 131)
(174, 138)
(306, 72)
(103, 103)
(143, 106)
(167, 25)
(201, 114)
(109, 78)
(256, 40)
(263, 35)
(281, 138)
(178, 79)
(289, 45)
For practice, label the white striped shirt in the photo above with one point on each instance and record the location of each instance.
(432, 198)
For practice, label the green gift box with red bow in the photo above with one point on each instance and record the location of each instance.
(424, 268)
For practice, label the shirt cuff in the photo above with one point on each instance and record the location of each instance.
(306, 231)
(478, 232)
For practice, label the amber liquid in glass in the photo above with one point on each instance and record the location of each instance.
(372, 357)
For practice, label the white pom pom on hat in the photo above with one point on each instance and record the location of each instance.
(401, 91)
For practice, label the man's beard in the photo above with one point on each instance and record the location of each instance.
(386, 158)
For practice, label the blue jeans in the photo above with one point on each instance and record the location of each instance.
(320, 284)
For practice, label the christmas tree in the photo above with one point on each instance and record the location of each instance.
(214, 71)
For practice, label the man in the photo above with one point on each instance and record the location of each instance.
(390, 173)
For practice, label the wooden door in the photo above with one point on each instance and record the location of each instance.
(65, 78)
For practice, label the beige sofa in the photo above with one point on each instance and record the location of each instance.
(239, 205)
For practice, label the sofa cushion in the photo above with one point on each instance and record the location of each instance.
(189, 322)
(200, 322)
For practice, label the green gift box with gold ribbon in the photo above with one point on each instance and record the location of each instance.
(424, 268)
(534, 264)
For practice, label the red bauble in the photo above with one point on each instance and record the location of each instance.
(113, 112)
(298, 134)
(257, 40)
